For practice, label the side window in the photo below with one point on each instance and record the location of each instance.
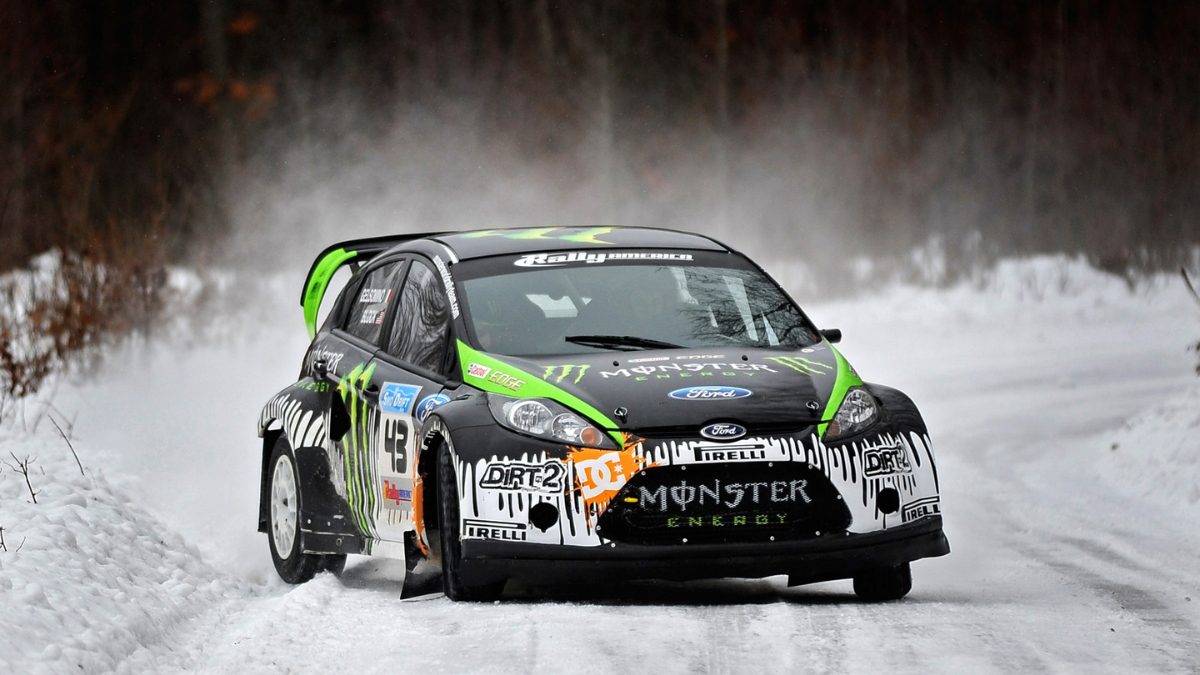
(419, 335)
(369, 305)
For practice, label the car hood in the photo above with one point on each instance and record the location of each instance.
(676, 389)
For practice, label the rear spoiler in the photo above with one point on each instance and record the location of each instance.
(333, 258)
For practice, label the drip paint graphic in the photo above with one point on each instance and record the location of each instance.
(360, 480)
(802, 365)
(565, 371)
(597, 476)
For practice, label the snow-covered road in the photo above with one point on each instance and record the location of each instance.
(1063, 411)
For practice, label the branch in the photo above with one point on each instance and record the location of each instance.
(1188, 280)
(64, 437)
(23, 469)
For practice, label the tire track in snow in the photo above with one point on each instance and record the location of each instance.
(1177, 641)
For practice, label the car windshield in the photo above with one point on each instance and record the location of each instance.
(690, 300)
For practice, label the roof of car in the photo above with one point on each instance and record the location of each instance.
(482, 243)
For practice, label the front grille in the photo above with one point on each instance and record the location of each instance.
(724, 503)
(690, 431)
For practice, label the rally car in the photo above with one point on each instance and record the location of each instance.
(586, 403)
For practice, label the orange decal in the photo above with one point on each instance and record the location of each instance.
(600, 474)
(418, 512)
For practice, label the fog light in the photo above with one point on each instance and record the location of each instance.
(591, 437)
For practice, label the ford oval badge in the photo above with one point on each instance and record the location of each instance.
(710, 393)
(723, 431)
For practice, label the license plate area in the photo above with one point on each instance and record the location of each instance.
(717, 503)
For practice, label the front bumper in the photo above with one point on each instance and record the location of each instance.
(834, 556)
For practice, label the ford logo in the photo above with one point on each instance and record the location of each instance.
(428, 405)
(723, 431)
(710, 393)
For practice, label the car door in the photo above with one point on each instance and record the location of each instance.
(346, 354)
(410, 370)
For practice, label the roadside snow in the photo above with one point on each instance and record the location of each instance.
(1156, 455)
(1068, 554)
(89, 575)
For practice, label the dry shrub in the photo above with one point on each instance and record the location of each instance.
(65, 310)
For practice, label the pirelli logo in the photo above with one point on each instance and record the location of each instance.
(929, 506)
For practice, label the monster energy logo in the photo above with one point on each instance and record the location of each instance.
(565, 371)
(802, 365)
(360, 483)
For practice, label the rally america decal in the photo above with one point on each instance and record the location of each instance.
(589, 258)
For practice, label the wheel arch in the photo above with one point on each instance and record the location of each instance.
(272, 431)
(899, 407)
(433, 435)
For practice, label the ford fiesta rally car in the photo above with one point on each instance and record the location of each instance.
(580, 403)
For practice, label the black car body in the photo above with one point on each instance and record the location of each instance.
(583, 402)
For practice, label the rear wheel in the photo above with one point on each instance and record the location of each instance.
(293, 566)
(454, 584)
(883, 583)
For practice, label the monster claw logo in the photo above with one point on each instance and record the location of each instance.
(360, 488)
(564, 372)
(802, 365)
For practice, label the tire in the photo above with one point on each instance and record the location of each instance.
(455, 586)
(883, 583)
(285, 512)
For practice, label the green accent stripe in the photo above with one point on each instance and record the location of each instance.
(531, 386)
(589, 236)
(846, 378)
(535, 233)
(318, 281)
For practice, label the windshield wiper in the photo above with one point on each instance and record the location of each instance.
(629, 342)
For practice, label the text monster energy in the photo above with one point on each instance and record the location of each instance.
(667, 370)
(730, 495)
(728, 521)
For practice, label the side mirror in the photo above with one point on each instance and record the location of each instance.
(832, 334)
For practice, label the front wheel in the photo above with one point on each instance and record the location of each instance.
(454, 584)
(293, 565)
(883, 583)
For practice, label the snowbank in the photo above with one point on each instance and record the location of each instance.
(1156, 455)
(89, 576)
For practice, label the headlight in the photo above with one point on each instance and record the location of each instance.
(546, 419)
(857, 412)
